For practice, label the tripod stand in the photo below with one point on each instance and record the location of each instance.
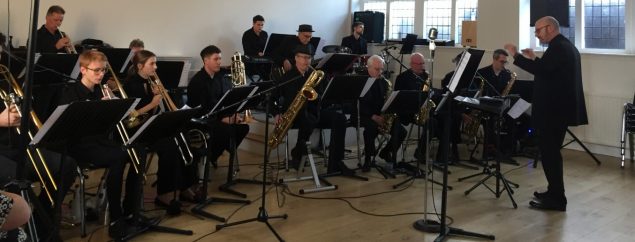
(487, 170)
(263, 216)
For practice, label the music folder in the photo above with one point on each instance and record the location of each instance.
(344, 88)
(336, 62)
(49, 66)
(404, 102)
(232, 101)
(118, 58)
(162, 125)
(72, 122)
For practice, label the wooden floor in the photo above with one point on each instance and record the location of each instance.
(601, 202)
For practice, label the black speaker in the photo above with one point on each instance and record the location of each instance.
(373, 25)
(559, 9)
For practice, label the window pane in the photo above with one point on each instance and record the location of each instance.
(438, 14)
(402, 17)
(466, 10)
(569, 32)
(604, 21)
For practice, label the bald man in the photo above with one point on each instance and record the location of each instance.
(558, 102)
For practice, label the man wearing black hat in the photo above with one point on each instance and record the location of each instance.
(356, 42)
(311, 116)
(284, 54)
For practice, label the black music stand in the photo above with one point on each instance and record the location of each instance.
(495, 112)
(347, 88)
(225, 107)
(408, 45)
(56, 68)
(463, 74)
(119, 59)
(406, 102)
(159, 126)
(273, 42)
(71, 122)
(336, 63)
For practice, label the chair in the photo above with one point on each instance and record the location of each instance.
(628, 129)
(100, 196)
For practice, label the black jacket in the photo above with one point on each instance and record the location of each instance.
(558, 97)
(357, 46)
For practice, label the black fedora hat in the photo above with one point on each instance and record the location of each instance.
(305, 28)
(304, 49)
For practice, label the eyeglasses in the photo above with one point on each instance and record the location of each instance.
(540, 28)
(98, 70)
(503, 62)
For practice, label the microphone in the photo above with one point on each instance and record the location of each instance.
(432, 33)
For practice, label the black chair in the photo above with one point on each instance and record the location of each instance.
(628, 129)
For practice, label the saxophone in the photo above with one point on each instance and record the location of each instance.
(424, 113)
(471, 128)
(389, 118)
(307, 92)
(510, 83)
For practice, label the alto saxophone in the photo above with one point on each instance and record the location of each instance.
(424, 113)
(389, 118)
(307, 92)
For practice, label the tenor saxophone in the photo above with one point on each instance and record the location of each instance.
(389, 118)
(510, 83)
(307, 92)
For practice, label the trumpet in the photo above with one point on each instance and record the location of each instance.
(180, 141)
(70, 49)
(121, 126)
(34, 154)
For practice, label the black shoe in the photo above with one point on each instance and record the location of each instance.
(548, 204)
(386, 155)
(172, 209)
(541, 195)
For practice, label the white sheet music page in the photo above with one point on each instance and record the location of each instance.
(459, 71)
(369, 83)
(521, 106)
(47, 125)
(125, 63)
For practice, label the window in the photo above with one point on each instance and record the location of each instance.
(401, 17)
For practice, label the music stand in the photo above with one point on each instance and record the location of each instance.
(119, 59)
(71, 122)
(55, 68)
(159, 126)
(273, 42)
(347, 88)
(463, 74)
(336, 63)
(224, 107)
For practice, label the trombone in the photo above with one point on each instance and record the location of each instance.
(34, 154)
(180, 141)
(121, 127)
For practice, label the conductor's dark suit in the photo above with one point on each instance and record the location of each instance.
(558, 102)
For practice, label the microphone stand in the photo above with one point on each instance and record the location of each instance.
(263, 216)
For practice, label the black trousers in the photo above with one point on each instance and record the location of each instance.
(221, 134)
(370, 133)
(328, 119)
(172, 172)
(115, 158)
(549, 142)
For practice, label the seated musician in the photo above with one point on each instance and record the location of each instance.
(206, 88)
(312, 116)
(136, 45)
(10, 155)
(284, 55)
(372, 119)
(497, 76)
(413, 79)
(175, 180)
(356, 42)
(255, 39)
(102, 151)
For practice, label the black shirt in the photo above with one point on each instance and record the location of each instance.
(78, 92)
(498, 81)
(253, 43)
(46, 41)
(206, 90)
(408, 80)
(139, 87)
(357, 46)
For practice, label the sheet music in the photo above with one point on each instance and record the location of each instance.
(141, 129)
(323, 61)
(369, 83)
(75, 72)
(521, 106)
(389, 100)
(459, 71)
(125, 63)
(187, 64)
(47, 125)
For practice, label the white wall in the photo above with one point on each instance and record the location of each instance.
(182, 28)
